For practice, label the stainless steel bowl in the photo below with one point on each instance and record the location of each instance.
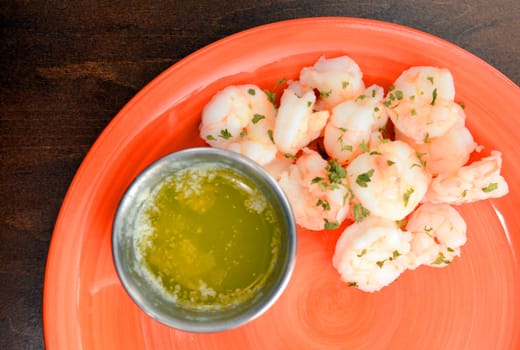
(148, 298)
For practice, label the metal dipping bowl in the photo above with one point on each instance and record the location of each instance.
(148, 298)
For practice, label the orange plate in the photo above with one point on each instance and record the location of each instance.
(472, 304)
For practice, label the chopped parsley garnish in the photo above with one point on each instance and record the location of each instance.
(225, 134)
(395, 255)
(352, 284)
(347, 148)
(257, 117)
(290, 156)
(387, 103)
(390, 162)
(462, 105)
(401, 223)
(325, 94)
(363, 252)
(324, 204)
(271, 96)
(211, 138)
(243, 133)
(309, 103)
(251, 92)
(281, 81)
(419, 156)
(430, 79)
(434, 96)
(340, 140)
(441, 259)
(451, 250)
(344, 84)
(374, 93)
(360, 212)
(426, 138)
(413, 112)
(406, 195)
(399, 94)
(391, 88)
(343, 129)
(317, 179)
(375, 153)
(491, 187)
(376, 109)
(270, 134)
(363, 179)
(363, 146)
(464, 193)
(330, 225)
(361, 97)
(335, 172)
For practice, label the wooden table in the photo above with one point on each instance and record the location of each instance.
(68, 67)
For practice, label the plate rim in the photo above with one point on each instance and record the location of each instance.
(58, 232)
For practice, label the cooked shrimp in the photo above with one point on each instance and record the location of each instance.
(447, 153)
(279, 165)
(421, 103)
(438, 232)
(317, 191)
(390, 180)
(296, 123)
(371, 254)
(476, 181)
(337, 79)
(352, 122)
(240, 118)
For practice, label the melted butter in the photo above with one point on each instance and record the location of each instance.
(208, 238)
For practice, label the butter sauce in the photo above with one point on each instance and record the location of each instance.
(208, 239)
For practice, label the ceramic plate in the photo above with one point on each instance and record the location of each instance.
(472, 304)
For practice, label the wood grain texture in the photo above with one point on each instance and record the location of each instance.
(68, 67)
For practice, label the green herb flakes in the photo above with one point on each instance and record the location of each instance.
(363, 179)
(225, 134)
(281, 81)
(491, 187)
(325, 94)
(335, 172)
(441, 259)
(360, 212)
(324, 204)
(270, 134)
(257, 117)
(406, 196)
(434, 96)
(363, 252)
(330, 225)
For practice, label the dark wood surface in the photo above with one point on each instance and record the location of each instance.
(67, 67)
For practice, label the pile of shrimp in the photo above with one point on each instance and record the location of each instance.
(391, 164)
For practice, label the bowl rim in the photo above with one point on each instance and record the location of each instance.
(258, 307)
